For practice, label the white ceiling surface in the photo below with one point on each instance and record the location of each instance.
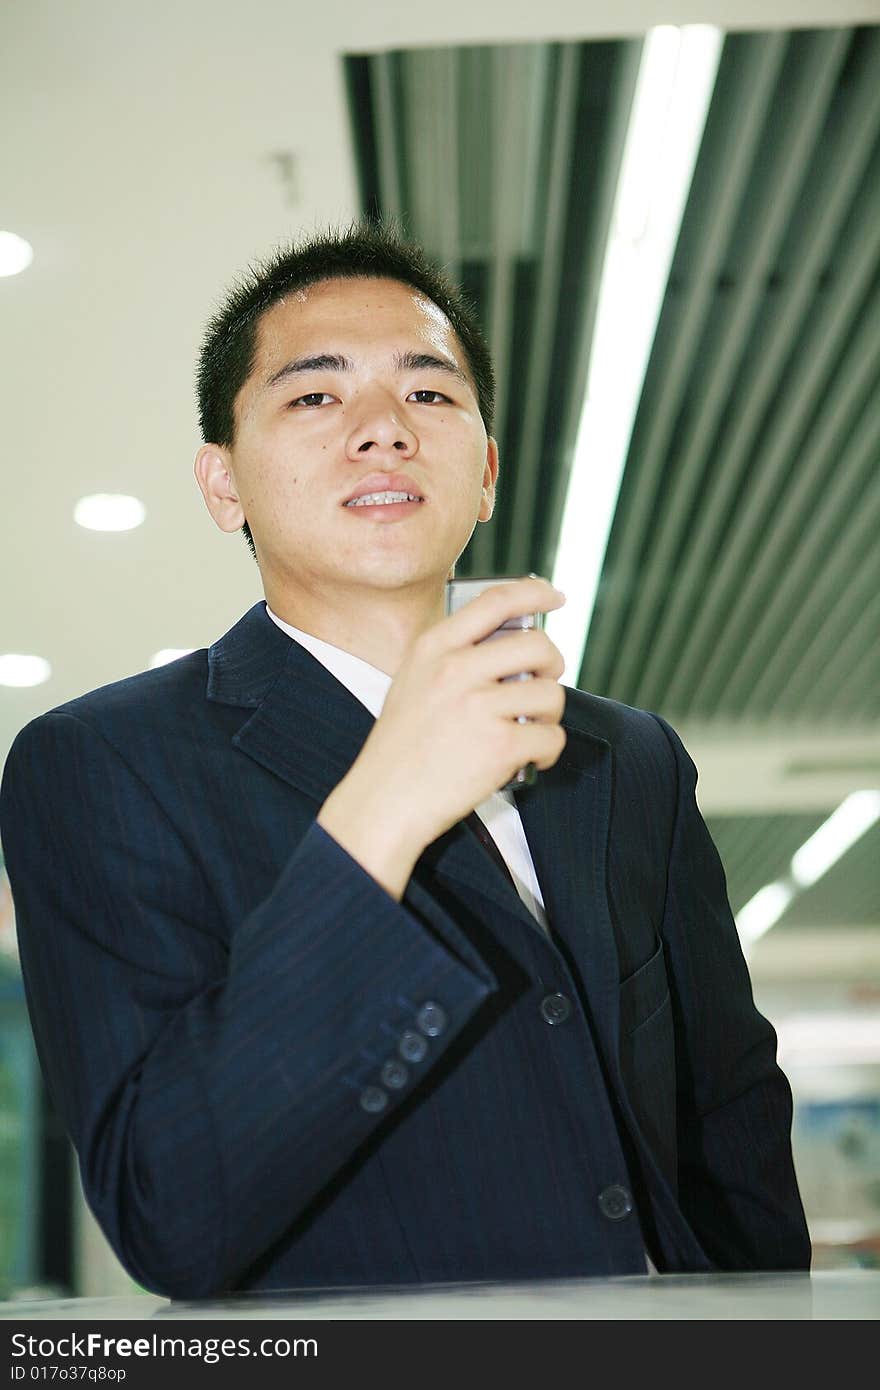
(137, 159)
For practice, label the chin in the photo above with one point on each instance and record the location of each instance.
(400, 579)
(394, 572)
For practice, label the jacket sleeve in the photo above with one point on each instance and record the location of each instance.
(737, 1184)
(211, 1089)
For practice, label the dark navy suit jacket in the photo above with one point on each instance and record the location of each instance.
(214, 985)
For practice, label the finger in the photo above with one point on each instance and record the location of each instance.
(534, 698)
(510, 653)
(494, 607)
(537, 743)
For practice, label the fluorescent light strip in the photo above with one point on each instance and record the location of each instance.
(834, 837)
(761, 911)
(673, 89)
(852, 818)
(828, 1038)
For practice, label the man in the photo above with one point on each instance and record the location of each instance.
(304, 1027)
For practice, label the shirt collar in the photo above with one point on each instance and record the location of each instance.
(367, 683)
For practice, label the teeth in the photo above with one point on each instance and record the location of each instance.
(381, 499)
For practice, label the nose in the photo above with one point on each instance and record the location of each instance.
(381, 431)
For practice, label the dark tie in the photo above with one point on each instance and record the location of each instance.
(485, 839)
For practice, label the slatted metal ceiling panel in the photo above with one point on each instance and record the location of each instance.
(846, 894)
(755, 850)
(741, 574)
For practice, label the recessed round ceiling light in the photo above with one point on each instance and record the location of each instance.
(16, 254)
(19, 670)
(166, 654)
(104, 511)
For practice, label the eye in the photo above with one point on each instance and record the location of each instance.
(312, 399)
(439, 397)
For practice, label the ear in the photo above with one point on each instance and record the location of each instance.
(490, 477)
(213, 470)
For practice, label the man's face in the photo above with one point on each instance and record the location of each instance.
(357, 381)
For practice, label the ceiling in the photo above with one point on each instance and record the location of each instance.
(157, 154)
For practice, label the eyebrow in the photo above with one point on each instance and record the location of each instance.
(336, 362)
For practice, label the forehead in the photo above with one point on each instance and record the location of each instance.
(351, 313)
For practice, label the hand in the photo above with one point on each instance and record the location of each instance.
(448, 734)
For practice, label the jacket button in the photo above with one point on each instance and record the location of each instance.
(615, 1203)
(394, 1074)
(412, 1046)
(373, 1099)
(431, 1019)
(555, 1008)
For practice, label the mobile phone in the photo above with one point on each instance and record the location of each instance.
(461, 591)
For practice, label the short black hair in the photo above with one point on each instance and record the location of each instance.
(365, 249)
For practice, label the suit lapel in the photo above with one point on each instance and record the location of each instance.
(310, 734)
(307, 728)
(566, 817)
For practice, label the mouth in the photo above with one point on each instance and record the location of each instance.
(390, 504)
(382, 488)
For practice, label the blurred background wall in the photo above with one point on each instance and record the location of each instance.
(669, 218)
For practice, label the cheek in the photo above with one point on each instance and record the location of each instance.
(471, 483)
(270, 490)
(467, 455)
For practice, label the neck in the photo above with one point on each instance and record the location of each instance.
(379, 627)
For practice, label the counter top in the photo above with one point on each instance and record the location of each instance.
(838, 1294)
